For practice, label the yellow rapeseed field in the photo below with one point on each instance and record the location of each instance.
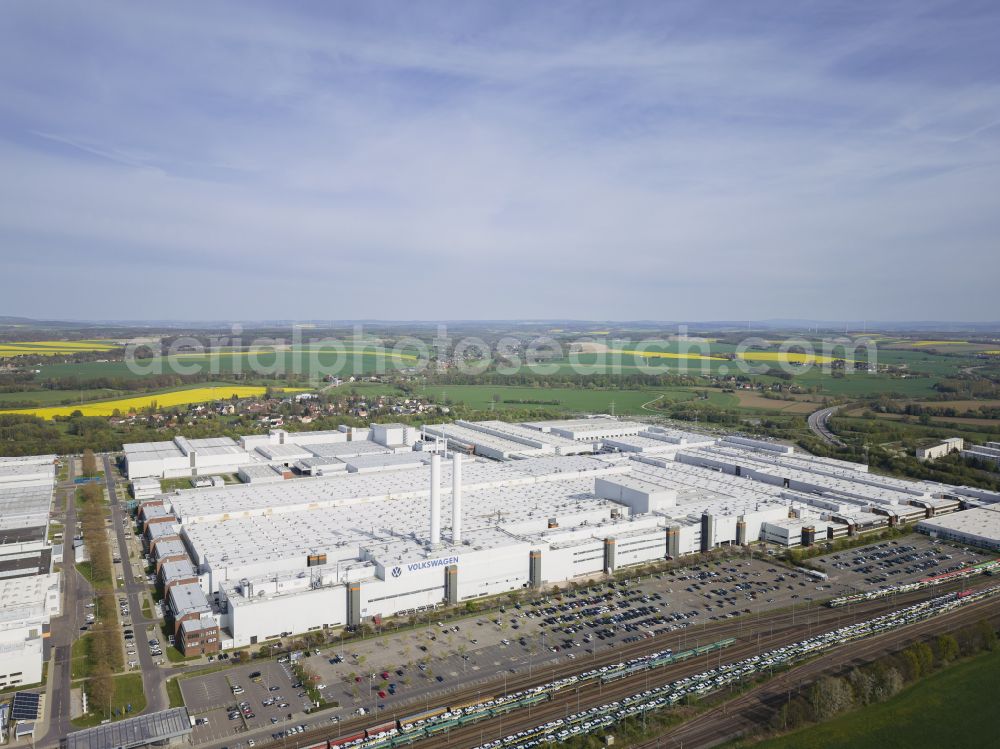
(792, 357)
(54, 348)
(940, 343)
(161, 400)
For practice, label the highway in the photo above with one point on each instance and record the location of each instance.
(819, 424)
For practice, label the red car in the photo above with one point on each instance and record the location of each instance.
(385, 674)
(381, 694)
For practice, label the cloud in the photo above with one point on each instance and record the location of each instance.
(500, 161)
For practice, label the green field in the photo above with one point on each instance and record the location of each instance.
(308, 363)
(953, 708)
(57, 397)
(571, 400)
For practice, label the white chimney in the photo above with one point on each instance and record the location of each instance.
(456, 498)
(435, 499)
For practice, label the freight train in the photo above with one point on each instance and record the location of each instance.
(439, 720)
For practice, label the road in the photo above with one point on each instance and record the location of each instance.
(152, 676)
(819, 424)
(66, 628)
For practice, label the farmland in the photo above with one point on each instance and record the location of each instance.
(569, 400)
(159, 400)
(54, 348)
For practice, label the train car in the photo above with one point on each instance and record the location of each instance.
(407, 721)
(345, 740)
(440, 727)
(382, 728)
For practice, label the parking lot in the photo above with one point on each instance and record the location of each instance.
(890, 563)
(244, 699)
(396, 674)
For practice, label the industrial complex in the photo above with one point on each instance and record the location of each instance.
(30, 592)
(331, 529)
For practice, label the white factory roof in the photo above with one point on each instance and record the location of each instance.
(526, 435)
(24, 506)
(283, 452)
(188, 598)
(463, 436)
(178, 569)
(386, 461)
(853, 485)
(592, 430)
(980, 524)
(32, 597)
(200, 505)
(348, 449)
(27, 460)
(640, 444)
(398, 527)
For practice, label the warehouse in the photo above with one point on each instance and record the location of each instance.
(593, 430)
(979, 527)
(26, 606)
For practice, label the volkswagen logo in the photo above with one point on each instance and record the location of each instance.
(397, 571)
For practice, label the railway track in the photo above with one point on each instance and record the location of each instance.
(754, 633)
(735, 717)
(576, 699)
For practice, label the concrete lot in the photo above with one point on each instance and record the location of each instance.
(896, 562)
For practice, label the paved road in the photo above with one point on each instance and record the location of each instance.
(152, 675)
(66, 628)
(819, 424)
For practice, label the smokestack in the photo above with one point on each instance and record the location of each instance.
(435, 499)
(456, 498)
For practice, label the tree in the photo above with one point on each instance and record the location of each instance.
(947, 648)
(89, 463)
(830, 696)
(100, 689)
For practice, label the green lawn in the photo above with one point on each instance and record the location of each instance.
(81, 664)
(128, 691)
(174, 693)
(953, 708)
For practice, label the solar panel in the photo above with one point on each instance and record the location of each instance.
(25, 706)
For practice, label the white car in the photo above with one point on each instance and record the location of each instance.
(321, 686)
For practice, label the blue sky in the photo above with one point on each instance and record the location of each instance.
(463, 160)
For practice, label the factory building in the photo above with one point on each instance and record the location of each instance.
(979, 527)
(948, 446)
(375, 524)
(29, 590)
(988, 453)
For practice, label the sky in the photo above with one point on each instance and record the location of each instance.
(504, 160)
